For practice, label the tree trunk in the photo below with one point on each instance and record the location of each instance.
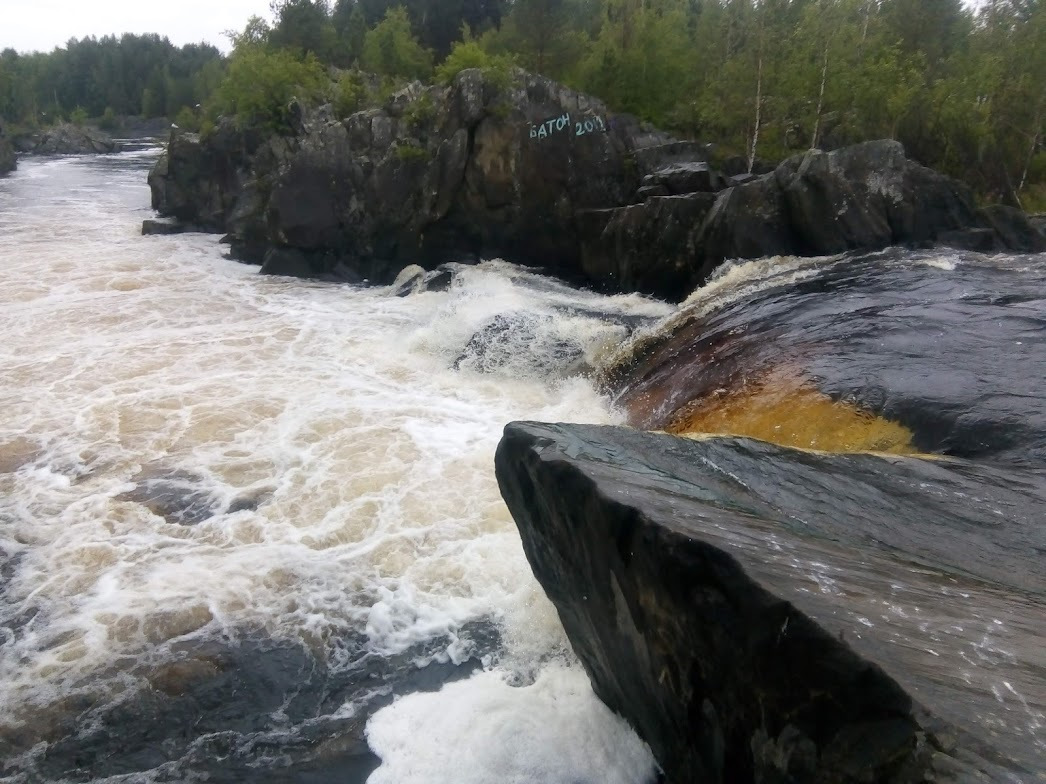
(820, 97)
(758, 111)
(1036, 133)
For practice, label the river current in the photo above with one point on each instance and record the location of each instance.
(239, 514)
(250, 530)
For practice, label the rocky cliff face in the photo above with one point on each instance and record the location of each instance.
(758, 615)
(538, 174)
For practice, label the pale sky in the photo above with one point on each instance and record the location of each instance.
(41, 25)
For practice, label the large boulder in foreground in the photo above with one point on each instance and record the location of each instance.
(69, 139)
(760, 614)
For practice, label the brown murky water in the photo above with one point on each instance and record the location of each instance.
(237, 512)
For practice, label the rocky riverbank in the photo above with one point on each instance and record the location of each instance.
(7, 153)
(69, 139)
(536, 173)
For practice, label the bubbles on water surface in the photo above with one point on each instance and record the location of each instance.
(214, 483)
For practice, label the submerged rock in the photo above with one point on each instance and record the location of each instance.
(182, 498)
(68, 139)
(237, 707)
(766, 615)
(519, 342)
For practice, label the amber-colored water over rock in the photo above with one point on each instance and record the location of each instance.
(893, 352)
(786, 409)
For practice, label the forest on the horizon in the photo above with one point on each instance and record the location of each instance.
(964, 89)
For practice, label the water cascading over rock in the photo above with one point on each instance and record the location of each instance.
(860, 601)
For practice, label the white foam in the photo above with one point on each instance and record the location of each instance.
(484, 730)
(338, 408)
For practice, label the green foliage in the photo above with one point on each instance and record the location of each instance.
(547, 36)
(641, 64)
(409, 153)
(470, 54)
(132, 74)
(303, 27)
(420, 111)
(260, 84)
(350, 94)
(255, 33)
(108, 121)
(391, 48)
(188, 119)
(959, 83)
(78, 116)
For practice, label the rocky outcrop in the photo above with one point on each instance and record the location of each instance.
(68, 139)
(166, 226)
(435, 174)
(535, 173)
(7, 153)
(1038, 222)
(756, 617)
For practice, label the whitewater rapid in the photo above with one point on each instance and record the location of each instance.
(345, 469)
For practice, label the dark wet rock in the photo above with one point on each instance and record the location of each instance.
(867, 196)
(249, 502)
(151, 226)
(1013, 228)
(479, 169)
(441, 278)
(682, 178)
(659, 153)
(517, 342)
(68, 139)
(231, 710)
(980, 240)
(954, 355)
(176, 496)
(25, 142)
(863, 197)
(435, 175)
(7, 154)
(761, 614)
(182, 498)
(290, 262)
(414, 279)
(644, 247)
(1038, 222)
(651, 191)
(409, 281)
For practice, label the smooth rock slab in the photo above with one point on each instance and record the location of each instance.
(758, 615)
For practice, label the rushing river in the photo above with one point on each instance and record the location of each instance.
(250, 531)
(240, 514)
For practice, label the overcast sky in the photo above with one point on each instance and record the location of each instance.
(41, 25)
